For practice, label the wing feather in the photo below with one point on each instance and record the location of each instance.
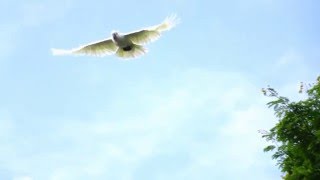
(98, 48)
(143, 37)
(153, 33)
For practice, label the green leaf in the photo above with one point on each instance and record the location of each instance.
(297, 134)
(269, 148)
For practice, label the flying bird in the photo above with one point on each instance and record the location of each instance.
(127, 45)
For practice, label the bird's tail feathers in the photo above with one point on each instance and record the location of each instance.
(170, 22)
(136, 51)
(60, 52)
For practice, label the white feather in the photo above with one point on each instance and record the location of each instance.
(153, 33)
(59, 52)
(169, 23)
(135, 39)
(98, 48)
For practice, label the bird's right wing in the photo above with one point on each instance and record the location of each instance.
(153, 33)
(99, 48)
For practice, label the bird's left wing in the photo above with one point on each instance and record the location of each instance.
(143, 37)
(153, 33)
(99, 48)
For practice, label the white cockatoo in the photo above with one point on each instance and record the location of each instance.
(129, 45)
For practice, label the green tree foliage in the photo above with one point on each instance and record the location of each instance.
(296, 137)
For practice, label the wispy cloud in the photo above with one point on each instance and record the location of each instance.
(158, 118)
(207, 124)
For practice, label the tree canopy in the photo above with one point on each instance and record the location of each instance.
(296, 136)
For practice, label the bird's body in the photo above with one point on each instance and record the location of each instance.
(120, 40)
(129, 45)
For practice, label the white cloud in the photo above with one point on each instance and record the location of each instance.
(134, 140)
(242, 130)
(200, 123)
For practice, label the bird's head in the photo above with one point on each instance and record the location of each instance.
(114, 34)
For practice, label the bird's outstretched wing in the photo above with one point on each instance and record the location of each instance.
(98, 48)
(153, 33)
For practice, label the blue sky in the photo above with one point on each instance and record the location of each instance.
(189, 109)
